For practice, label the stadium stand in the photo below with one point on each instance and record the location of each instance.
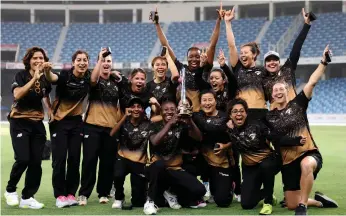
(328, 28)
(45, 35)
(129, 42)
(329, 97)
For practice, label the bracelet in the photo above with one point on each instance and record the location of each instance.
(324, 63)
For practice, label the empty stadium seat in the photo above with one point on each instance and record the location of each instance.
(44, 35)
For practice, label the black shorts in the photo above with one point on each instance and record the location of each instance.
(291, 172)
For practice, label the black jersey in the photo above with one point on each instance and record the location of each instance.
(214, 130)
(30, 106)
(133, 140)
(70, 94)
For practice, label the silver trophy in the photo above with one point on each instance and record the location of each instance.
(184, 109)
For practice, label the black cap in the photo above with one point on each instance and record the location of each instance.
(134, 100)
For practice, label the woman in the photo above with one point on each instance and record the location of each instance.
(100, 118)
(249, 77)
(166, 143)
(221, 81)
(134, 131)
(135, 87)
(27, 131)
(214, 147)
(193, 58)
(286, 72)
(66, 127)
(259, 164)
(300, 164)
(162, 86)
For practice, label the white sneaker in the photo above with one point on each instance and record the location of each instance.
(237, 197)
(11, 198)
(30, 203)
(82, 200)
(103, 200)
(150, 208)
(172, 200)
(118, 204)
(62, 202)
(207, 193)
(72, 200)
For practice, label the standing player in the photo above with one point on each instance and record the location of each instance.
(66, 127)
(27, 131)
(285, 73)
(301, 164)
(193, 58)
(249, 77)
(100, 118)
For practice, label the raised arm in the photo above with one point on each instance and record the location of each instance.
(162, 36)
(172, 67)
(95, 75)
(47, 70)
(232, 81)
(194, 131)
(316, 75)
(215, 36)
(19, 89)
(298, 43)
(233, 53)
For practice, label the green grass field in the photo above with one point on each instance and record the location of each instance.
(331, 181)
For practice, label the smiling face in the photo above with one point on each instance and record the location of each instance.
(272, 64)
(216, 81)
(194, 59)
(238, 115)
(280, 93)
(81, 63)
(160, 68)
(246, 57)
(168, 110)
(106, 67)
(36, 60)
(138, 82)
(137, 111)
(208, 103)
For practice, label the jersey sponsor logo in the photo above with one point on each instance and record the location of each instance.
(157, 87)
(19, 135)
(54, 135)
(258, 72)
(135, 129)
(223, 174)
(86, 136)
(288, 111)
(252, 136)
(144, 133)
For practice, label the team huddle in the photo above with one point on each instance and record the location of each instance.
(199, 122)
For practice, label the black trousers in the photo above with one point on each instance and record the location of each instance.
(66, 137)
(253, 178)
(235, 171)
(139, 183)
(186, 186)
(196, 166)
(28, 140)
(97, 145)
(221, 186)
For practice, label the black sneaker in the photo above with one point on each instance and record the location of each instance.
(301, 210)
(326, 201)
(283, 203)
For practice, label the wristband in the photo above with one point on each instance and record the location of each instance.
(324, 63)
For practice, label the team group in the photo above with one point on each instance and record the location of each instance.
(202, 120)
